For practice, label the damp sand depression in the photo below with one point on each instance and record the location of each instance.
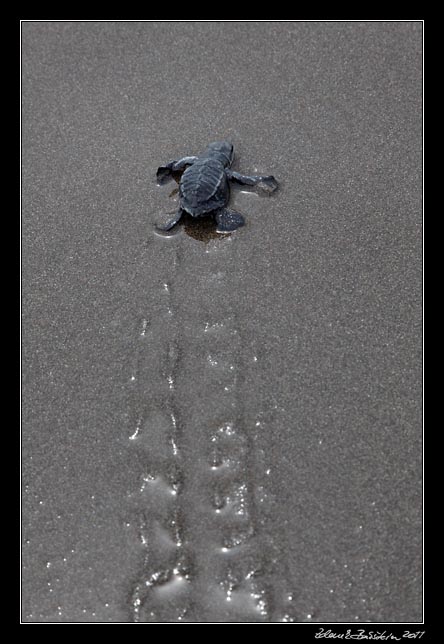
(222, 428)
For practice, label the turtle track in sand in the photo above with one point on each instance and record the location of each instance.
(203, 553)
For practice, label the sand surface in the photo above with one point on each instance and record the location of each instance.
(225, 430)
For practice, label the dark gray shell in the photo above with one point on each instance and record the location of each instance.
(204, 187)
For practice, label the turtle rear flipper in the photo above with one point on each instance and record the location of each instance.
(228, 220)
(169, 223)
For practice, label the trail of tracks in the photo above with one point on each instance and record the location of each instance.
(204, 555)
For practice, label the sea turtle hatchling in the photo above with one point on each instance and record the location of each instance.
(204, 187)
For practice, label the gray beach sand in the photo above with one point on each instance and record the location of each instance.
(225, 430)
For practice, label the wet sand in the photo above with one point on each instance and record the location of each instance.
(226, 430)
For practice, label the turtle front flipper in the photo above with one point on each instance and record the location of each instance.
(267, 183)
(165, 172)
(228, 220)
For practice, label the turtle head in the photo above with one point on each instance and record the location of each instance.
(222, 151)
